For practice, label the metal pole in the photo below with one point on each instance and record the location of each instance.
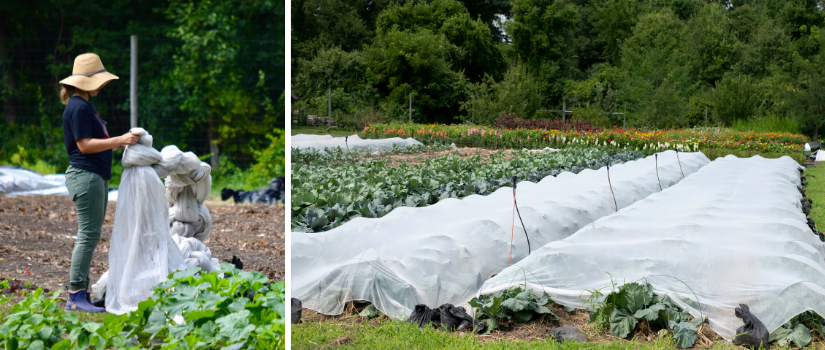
(410, 107)
(624, 123)
(706, 116)
(133, 82)
(563, 110)
(329, 106)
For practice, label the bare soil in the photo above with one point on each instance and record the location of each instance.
(36, 238)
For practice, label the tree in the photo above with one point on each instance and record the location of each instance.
(399, 62)
(807, 98)
(221, 94)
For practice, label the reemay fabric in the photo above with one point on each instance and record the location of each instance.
(352, 143)
(142, 253)
(81, 120)
(732, 233)
(443, 253)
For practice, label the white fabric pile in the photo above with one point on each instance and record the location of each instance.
(352, 143)
(732, 233)
(188, 182)
(443, 253)
(142, 252)
(16, 181)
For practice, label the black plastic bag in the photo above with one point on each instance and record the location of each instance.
(237, 262)
(454, 318)
(100, 302)
(272, 194)
(422, 315)
(753, 334)
(295, 316)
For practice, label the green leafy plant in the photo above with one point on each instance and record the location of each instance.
(624, 308)
(331, 189)
(511, 304)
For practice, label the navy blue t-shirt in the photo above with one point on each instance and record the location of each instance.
(80, 120)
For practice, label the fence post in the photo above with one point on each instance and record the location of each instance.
(133, 83)
(329, 110)
(563, 109)
(706, 116)
(410, 107)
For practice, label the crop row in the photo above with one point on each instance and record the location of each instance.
(625, 139)
(192, 310)
(325, 194)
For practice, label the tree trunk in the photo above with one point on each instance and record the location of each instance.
(213, 144)
(9, 106)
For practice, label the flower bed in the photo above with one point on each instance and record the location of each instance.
(631, 139)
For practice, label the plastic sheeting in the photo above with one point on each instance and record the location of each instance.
(732, 233)
(142, 252)
(353, 143)
(444, 252)
(13, 179)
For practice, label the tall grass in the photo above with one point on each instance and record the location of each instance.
(769, 123)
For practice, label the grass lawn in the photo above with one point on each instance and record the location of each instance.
(337, 333)
(816, 192)
(320, 130)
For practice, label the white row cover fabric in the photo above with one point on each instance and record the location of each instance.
(444, 252)
(24, 182)
(820, 156)
(732, 233)
(353, 143)
(14, 179)
(142, 252)
(188, 182)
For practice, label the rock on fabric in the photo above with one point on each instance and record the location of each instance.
(443, 253)
(732, 233)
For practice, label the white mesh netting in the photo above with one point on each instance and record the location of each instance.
(443, 253)
(142, 252)
(732, 233)
(353, 143)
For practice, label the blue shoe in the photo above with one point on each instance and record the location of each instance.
(79, 302)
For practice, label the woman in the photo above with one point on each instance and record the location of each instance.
(90, 168)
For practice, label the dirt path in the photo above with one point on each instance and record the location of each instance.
(36, 238)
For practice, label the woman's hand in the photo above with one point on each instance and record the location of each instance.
(90, 146)
(128, 139)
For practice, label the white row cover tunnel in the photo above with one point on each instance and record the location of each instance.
(443, 253)
(732, 233)
(352, 143)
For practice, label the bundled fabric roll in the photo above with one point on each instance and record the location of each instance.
(142, 252)
(187, 185)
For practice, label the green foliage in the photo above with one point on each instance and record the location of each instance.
(517, 93)
(736, 98)
(401, 62)
(513, 303)
(269, 162)
(331, 189)
(633, 303)
(217, 314)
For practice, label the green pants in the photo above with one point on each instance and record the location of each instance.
(90, 194)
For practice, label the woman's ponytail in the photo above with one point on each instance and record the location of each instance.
(66, 92)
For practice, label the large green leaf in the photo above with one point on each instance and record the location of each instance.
(799, 335)
(684, 333)
(622, 323)
(651, 314)
(235, 326)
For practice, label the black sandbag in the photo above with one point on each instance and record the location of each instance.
(753, 334)
(454, 318)
(422, 315)
(295, 316)
(100, 302)
(273, 193)
(237, 262)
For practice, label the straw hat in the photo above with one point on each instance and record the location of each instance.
(88, 73)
